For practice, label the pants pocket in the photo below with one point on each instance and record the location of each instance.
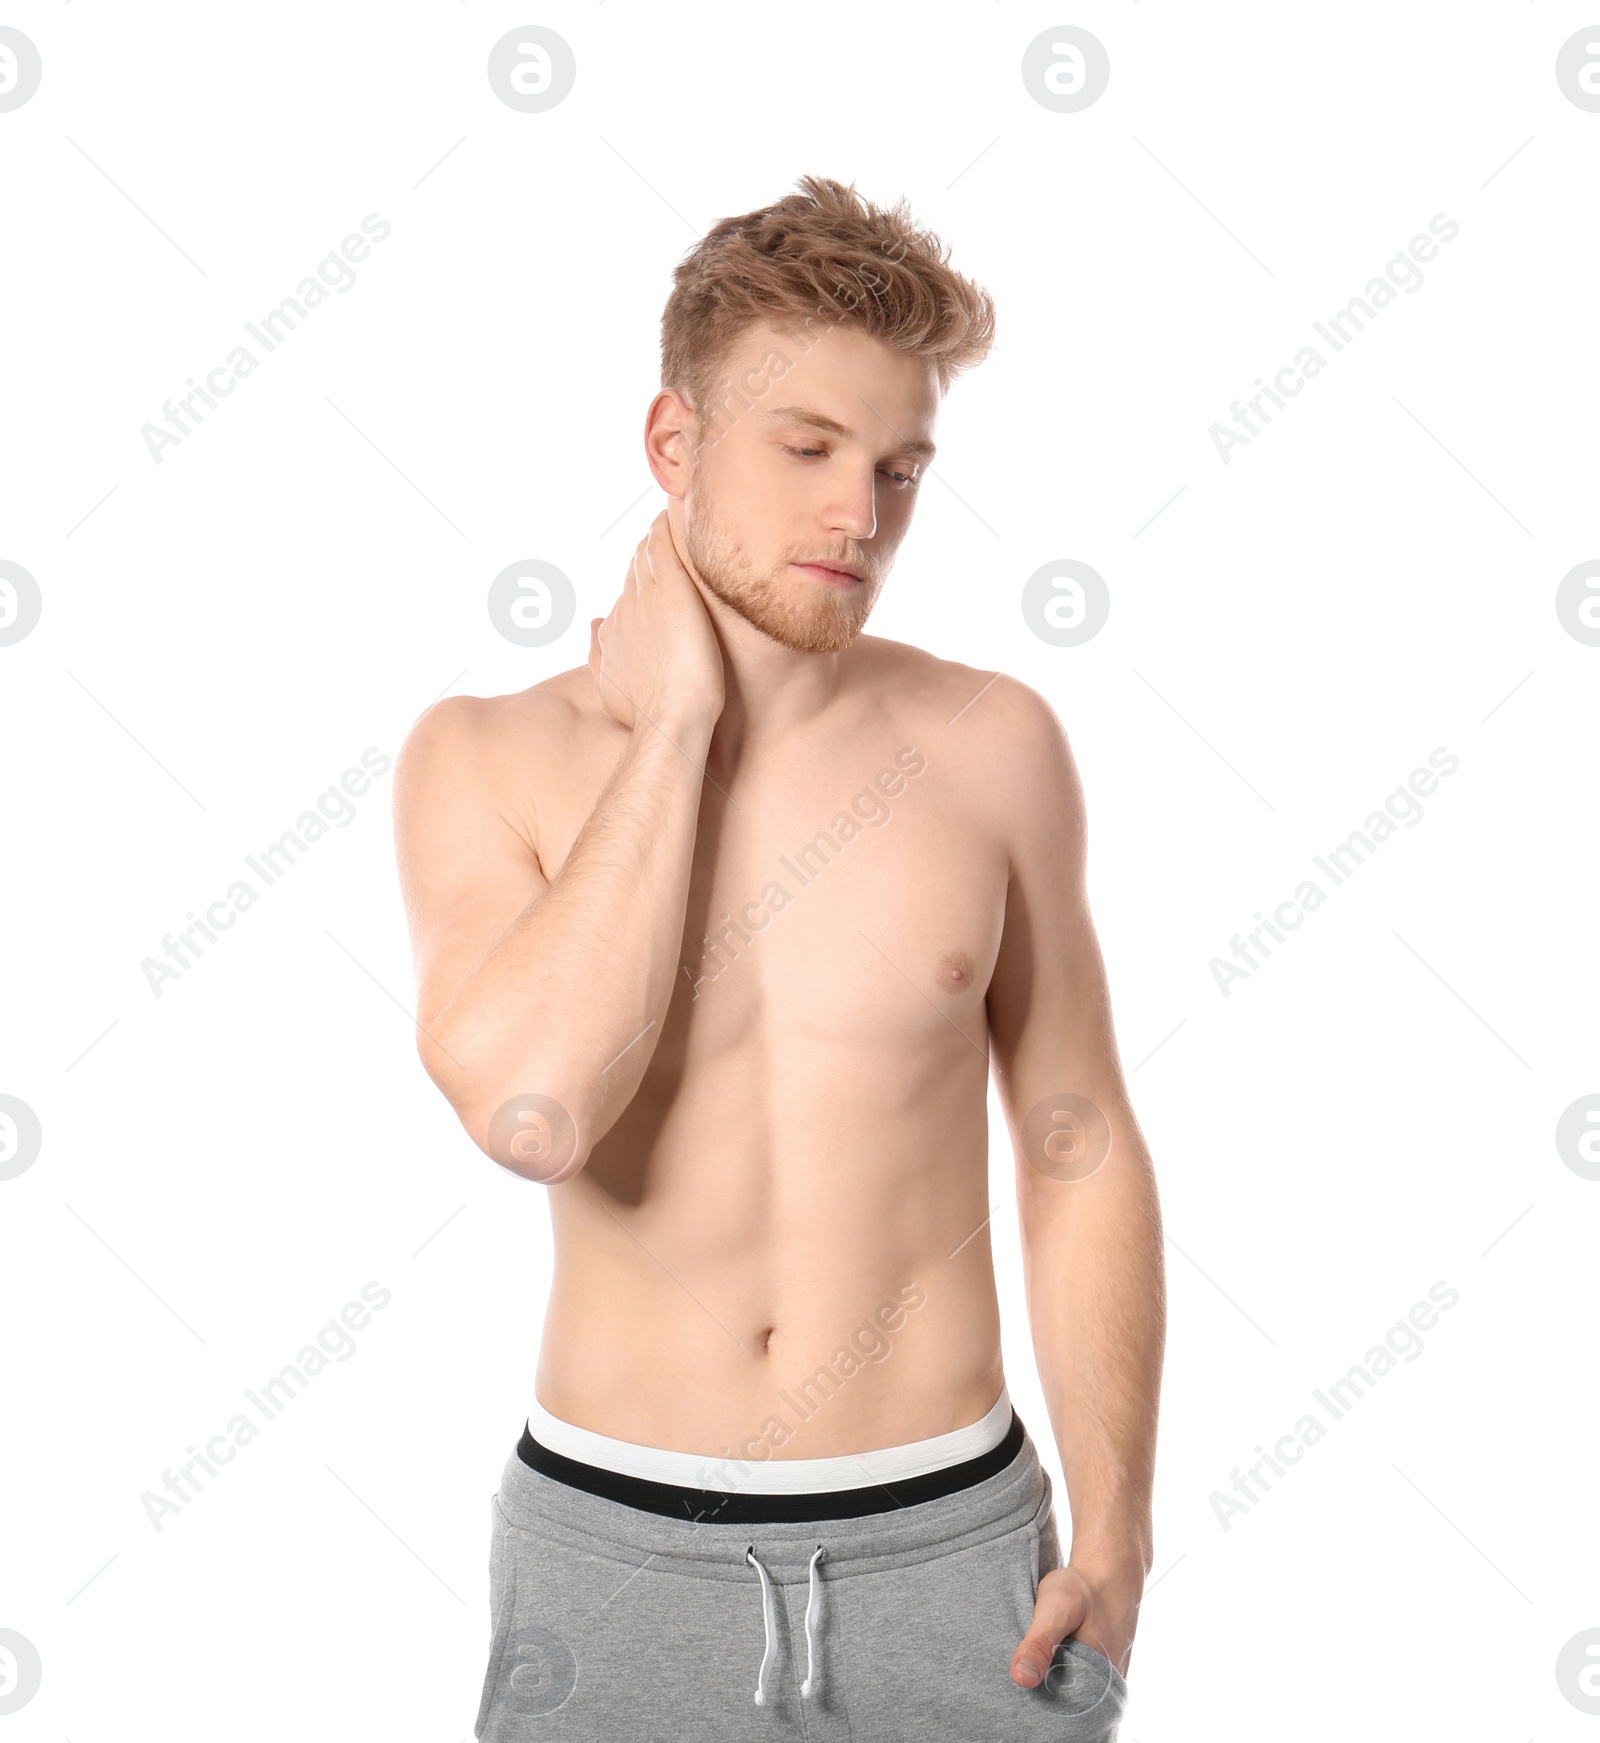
(1082, 1684)
(925, 1648)
(1086, 1687)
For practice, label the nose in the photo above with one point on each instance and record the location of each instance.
(854, 511)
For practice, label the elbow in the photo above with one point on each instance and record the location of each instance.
(538, 1134)
(531, 1133)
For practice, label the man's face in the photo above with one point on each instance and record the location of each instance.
(808, 456)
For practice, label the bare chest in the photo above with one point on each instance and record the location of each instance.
(853, 898)
(859, 905)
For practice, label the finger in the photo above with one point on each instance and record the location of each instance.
(1056, 1614)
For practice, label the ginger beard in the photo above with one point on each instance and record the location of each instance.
(797, 613)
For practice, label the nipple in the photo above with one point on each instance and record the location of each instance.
(955, 971)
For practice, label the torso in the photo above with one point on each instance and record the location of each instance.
(781, 1248)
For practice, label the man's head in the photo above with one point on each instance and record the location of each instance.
(805, 349)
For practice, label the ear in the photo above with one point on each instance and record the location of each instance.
(670, 431)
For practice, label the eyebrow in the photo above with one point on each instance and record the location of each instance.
(799, 414)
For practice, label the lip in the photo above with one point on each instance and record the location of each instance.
(828, 575)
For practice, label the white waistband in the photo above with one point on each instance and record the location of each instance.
(773, 1476)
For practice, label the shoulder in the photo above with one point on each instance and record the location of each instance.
(978, 714)
(504, 752)
(481, 731)
(999, 743)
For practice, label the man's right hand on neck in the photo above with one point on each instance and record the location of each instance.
(655, 658)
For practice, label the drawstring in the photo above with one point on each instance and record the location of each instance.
(813, 1593)
(769, 1619)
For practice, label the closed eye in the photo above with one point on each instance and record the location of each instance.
(903, 480)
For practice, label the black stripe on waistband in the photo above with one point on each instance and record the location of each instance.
(718, 1507)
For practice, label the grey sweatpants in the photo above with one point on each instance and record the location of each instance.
(612, 1625)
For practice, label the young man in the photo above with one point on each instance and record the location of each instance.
(717, 938)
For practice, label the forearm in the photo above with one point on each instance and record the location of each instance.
(1095, 1279)
(570, 1001)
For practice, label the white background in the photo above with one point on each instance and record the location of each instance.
(1291, 633)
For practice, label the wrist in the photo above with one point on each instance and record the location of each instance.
(684, 725)
(1122, 1558)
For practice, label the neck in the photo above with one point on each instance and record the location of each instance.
(771, 690)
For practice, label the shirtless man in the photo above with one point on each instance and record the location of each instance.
(717, 938)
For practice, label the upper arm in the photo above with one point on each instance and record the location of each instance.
(467, 871)
(1049, 1003)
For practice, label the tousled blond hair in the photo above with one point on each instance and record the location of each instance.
(819, 258)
